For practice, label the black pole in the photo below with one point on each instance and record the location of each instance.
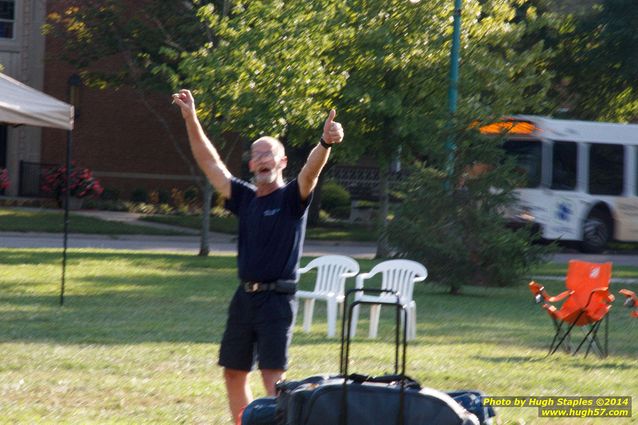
(66, 213)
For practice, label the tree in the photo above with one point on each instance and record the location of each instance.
(276, 67)
(456, 226)
(598, 62)
(396, 55)
(265, 72)
(143, 41)
(459, 234)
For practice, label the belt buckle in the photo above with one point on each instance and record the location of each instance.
(251, 286)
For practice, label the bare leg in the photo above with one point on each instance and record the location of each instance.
(238, 390)
(270, 377)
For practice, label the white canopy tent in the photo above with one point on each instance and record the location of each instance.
(23, 105)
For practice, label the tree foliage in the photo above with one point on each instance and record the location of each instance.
(276, 67)
(397, 62)
(267, 70)
(455, 224)
(597, 64)
(114, 44)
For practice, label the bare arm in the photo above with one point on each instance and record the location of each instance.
(309, 174)
(203, 150)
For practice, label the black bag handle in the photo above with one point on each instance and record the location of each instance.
(345, 347)
(385, 379)
(347, 319)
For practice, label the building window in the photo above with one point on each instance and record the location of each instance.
(7, 19)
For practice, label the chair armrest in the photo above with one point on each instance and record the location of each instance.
(631, 297)
(610, 297)
(348, 274)
(360, 278)
(539, 293)
(559, 297)
(631, 301)
(304, 269)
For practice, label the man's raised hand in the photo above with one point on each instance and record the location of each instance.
(332, 130)
(184, 99)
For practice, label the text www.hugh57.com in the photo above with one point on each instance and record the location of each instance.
(570, 412)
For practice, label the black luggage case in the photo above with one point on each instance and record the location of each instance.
(359, 399)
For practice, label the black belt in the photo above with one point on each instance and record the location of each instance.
(281, 286)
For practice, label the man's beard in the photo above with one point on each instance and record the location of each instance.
(265, 178)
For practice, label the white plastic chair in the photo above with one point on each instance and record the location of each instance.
(332, 271)
(398, 276)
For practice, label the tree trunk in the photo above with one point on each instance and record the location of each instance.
(204, 245)
(383, 246)
(226, 7)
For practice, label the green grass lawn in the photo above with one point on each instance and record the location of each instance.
(52, 221)
(137, 340)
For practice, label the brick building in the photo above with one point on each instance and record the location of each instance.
(128, 140)
(21, 57)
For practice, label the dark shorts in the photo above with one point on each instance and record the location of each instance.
(258, 331)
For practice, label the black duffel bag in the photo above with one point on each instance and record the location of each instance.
(355, 399)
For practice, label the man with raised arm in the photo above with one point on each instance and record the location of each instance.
(272, 223)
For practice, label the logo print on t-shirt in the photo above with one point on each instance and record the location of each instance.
(268, 213)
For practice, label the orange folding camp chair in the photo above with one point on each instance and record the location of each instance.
(631, 301)
(585, 304)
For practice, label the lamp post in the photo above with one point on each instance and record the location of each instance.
(453, 89)
(75, 85)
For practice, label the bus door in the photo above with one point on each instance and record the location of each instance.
(618, 178)
(565, 199)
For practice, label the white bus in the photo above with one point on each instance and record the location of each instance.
(582, 178)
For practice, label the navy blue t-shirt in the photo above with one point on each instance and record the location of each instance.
(271, 230)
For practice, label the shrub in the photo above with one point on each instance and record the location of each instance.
(105, 204)
(454, 226)
(110, 194)
(4, 179)
(139, 195)
(153, 197)
(81, 182)
(335, 200)
(191, 195)
(163, 196)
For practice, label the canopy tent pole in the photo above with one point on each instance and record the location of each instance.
(24, 105)
(66, 213)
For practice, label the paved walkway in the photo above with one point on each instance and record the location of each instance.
(220, 243)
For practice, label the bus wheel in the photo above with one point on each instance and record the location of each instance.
(596, 232)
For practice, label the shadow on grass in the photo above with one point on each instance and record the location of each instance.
(77, 256)
(115, 297)
(580, 361)
(109, 319)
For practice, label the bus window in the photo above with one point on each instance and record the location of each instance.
(606, 169)
(528, 159)
(564, 166)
